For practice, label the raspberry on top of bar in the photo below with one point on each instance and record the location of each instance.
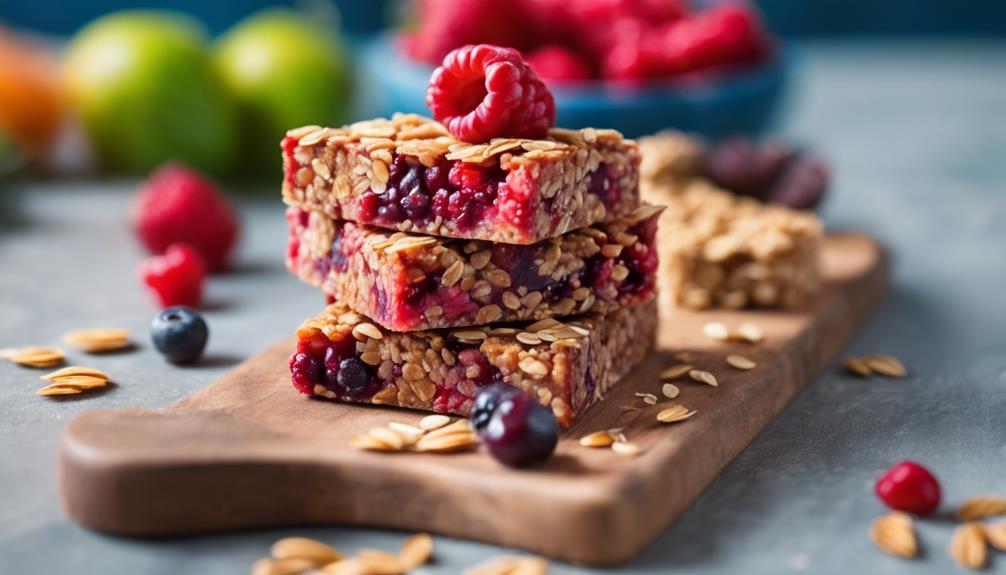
(407, 282)
(409, 174)
(566, 366)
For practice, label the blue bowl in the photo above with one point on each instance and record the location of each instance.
(740, 102)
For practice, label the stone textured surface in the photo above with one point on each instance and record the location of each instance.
(916, 135)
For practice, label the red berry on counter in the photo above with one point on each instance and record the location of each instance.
(558, 64)
(483, 92)
(178, 205)
(909, 487)
(175, 278)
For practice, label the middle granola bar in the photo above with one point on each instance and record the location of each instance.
(408, 282)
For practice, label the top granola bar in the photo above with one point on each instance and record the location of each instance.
(409, 174)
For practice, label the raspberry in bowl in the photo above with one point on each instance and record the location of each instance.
(633, 66)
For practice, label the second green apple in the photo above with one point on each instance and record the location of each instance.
(284, 71)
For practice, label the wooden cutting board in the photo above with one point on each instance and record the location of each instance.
(248, 451)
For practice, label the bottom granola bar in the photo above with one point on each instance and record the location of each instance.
(567, 365)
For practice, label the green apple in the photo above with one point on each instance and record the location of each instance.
(146, 90)
(285, 71)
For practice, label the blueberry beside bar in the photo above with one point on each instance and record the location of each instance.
(567, 365)
(409, 174)
(407, 282)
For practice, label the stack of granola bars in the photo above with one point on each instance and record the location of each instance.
(453, 266)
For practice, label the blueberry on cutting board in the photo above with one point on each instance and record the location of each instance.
(180, 334)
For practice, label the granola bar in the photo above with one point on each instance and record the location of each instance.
(407, 282)
(408, 174)
(567, 365)
(721, 250)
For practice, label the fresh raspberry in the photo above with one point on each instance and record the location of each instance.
(482, 92)
(178, 205)
(175, 278)
(729, 33)
(448, 24)
(557, 65)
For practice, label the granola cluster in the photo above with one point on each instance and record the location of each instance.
(407, 282)
(567, 365)
(550, 180)
(721, 250)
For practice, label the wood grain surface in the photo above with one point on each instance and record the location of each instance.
(248, 451)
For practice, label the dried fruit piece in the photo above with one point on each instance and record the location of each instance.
(857, 366)
(597, 439)
(674, 413)
(740, 362)
(886, 365)
(968, 546)
(416, 551)
(316, 552)
(34, 356)
(176, 277)
(895, 534)
(909, 487)
(982, 507)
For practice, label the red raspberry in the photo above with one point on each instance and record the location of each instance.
(175, 278)
(482, 92)
(177, 205)
(448, 24)
(909, 487)
(557, 65)
(729, 33)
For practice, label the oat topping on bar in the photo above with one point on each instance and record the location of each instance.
(409, 174)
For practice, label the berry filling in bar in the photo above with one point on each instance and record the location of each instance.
(408, 174)
(566, 366)
(407, 282)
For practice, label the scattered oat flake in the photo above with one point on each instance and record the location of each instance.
(74, 370)
(703, 377)
(982, 507)
(683, 356)
(674, 413)
(597, 439)
(857, 366)
(886, 365)
(98, 340)
(631, 408)
(675, 371)
(368, 443)
(35, 356)
(895, 534)
(648, 398)
(431, 422)
(510, 565)
(995, 534)
(968, 546)
(670, 390)
(740, 362)
(750, 332)
(409, 433)
(416, 551)
(388, 437)
(318, 553)
(286, 566)
(716, 330)
(626, 448)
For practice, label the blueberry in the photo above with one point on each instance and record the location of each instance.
(486, 402)
(353, 375)
(180, 334)
(521, 432)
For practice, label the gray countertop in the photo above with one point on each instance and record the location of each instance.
(917, 137)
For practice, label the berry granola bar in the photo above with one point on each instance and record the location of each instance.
(408, 174)
(567, 366)
(408, 282)
(721, 250)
